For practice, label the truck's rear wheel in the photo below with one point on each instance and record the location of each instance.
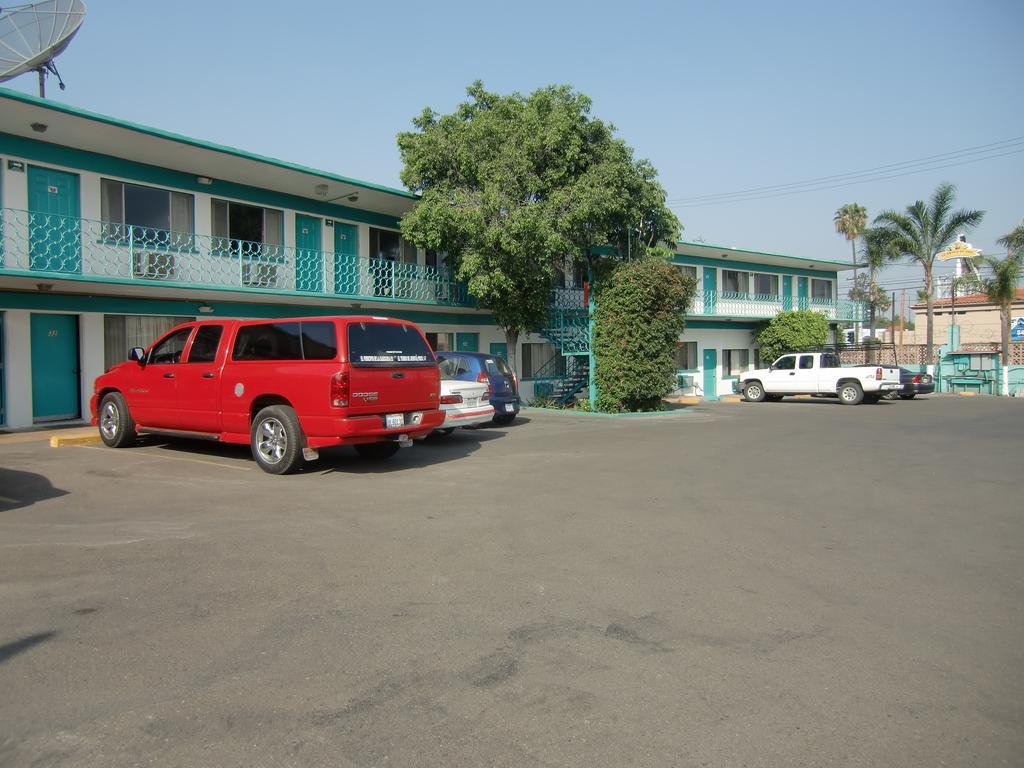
(377, 451)
(276, 440)
(850, 393)
(117, 427)
(753, 392)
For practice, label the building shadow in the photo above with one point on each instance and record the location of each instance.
(13, 648)
(22, 489)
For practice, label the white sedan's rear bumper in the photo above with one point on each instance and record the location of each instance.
(455, 416)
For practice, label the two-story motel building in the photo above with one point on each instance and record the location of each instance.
(111, 233)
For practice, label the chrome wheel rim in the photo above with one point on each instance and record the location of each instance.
(849, 394)
(271, 440)
(110, 421)
(753, 392)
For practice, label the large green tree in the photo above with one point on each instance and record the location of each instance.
(921, 231)
(1001, 287)
(791, 331)
(512, 184)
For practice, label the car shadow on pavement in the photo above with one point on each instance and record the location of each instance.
(13, 648)
(423, 453)
(22, 489)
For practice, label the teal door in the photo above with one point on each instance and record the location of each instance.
(787, 292)
(54, 345)
(467, 342)
(710, 374)
(801, 292)
(309, 259)
(710, 289)
(3, 416)
(55, 241)
(346, 259)
(499, 349)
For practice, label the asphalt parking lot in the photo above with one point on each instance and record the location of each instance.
(792, 584)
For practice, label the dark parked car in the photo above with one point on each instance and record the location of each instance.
(912, 384)
(487, 369)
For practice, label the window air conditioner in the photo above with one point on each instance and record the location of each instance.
(256, 274)
(154, 266)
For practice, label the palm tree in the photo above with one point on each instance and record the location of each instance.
(851, 220)
(922, 231)
(878, 251)
(1002, 287)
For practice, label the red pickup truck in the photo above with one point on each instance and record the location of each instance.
(287, 387)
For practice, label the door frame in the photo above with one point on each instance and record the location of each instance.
(71, 230)
(316, 255)
(351, 260)
(709, 360)
(77, 412)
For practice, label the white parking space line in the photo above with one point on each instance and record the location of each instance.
(138, 454)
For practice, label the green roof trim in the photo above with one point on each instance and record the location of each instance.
(847, 264)
(25, 98)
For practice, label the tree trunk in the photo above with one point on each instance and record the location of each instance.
(1007, 310)
(871, 315)
(856, 324)
(512, 340)
(929, 315)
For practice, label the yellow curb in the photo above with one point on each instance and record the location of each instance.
(730, 399)
(967, 394)
(63, 442)
(803, 397)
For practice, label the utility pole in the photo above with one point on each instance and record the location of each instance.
(892, 326)
(903, 314)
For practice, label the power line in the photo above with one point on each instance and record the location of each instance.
(849, 179)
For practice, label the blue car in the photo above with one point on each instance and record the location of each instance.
(503, 387)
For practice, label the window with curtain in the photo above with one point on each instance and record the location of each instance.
(248, 229)
(734, 361)
(391, 246)
(686, 355)
(151, 216)
(766, 285)
(821, 289)
(735, 282)
(687, 269)
(537, 355)
(122, 332)
(441, 342)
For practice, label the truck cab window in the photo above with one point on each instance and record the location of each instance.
(786, 363)
(204, 345)
(168, 350)
(806, 361)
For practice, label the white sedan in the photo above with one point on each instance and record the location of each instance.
(464, 403)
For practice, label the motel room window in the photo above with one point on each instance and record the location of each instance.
(687, 269)
(821, 289)
(734, 361)
(247, 223)
(155, 216)
(388, 245)
(766, 285)
(735, 282)
(441, 342)
(122, 332)
(686, 355)
(536, 356)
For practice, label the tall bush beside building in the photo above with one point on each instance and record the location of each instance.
(801, 329)
(637, 321)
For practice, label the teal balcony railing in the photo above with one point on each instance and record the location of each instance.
(65, 247)
(752, 305)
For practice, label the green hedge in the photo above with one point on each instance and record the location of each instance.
(638, 317)
(788, 331)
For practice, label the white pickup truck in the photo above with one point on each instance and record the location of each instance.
(817, 373)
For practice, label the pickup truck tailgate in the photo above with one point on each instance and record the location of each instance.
(392, 369)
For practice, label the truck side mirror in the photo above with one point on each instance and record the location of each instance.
(138, 354)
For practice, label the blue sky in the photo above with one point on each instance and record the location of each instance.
(720, 96)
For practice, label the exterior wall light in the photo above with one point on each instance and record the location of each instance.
(205, 309)
(39, 127)
(204, 180)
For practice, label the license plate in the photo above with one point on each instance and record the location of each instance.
(510, 408)
(394, 421)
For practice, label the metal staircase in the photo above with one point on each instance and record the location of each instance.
(564, 376)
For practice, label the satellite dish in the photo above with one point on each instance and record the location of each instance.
(32, 35)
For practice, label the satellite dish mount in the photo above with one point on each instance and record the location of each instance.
(33, 35)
